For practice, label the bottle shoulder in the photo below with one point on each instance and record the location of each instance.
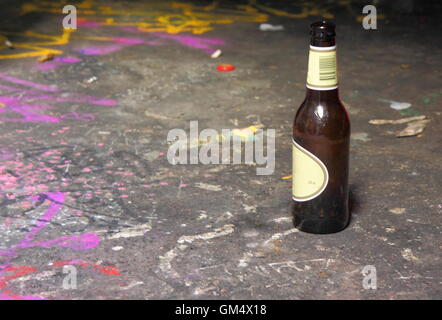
(327, 118)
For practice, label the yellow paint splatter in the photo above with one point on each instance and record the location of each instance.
(170, 17)
(307, 9)
(38, 48)
(246, 133)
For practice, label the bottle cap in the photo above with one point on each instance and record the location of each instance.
(322, 33)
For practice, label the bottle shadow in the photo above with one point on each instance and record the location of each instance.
(354, 202)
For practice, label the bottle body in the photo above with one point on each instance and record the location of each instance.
(321, 142)
(322, 127)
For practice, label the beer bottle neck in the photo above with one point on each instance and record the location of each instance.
(322, 76)
(322, 68)
(322, 95)
(323, 43)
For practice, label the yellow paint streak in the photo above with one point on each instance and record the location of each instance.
(167, 16)
(170, 17)
(308, 9)
(36, 49)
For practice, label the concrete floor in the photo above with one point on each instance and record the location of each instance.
(85, 179)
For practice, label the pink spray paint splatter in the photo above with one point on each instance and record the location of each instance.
(24, 104)
(57, 62)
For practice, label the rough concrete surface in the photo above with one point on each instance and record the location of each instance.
(84, 175)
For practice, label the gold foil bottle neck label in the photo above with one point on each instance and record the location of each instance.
(322, 68)
(310, 175)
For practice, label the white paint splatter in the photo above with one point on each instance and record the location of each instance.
(135, 231)
(397, 210)
(206, 186)
(278, 266)
(249, 234)
(280, 235)
(39, 276)
(131, 285)
(202, 216)
(226, 216)
(244, 261)
(219, 232)
(199, 291)
(166, 260)
(396, 105)
(252, 245)
(248, 208)
(282, 220)
(408, 255)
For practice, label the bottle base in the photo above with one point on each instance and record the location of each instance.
(322, 226)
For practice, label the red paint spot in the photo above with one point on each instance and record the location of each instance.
(109, 270)
(225, 67)
(20, 271)
(2, 284)
(61, 263)
(8, 295)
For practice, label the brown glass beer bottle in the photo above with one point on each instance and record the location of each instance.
(321, 137)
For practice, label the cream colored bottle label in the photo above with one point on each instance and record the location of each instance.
(310, 175)
(322, 68)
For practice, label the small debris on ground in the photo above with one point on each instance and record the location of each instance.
(92, 79)
(270, 27)
(400, 105)
(216, 54)
(46, 57)
(361, 136)
(9, 44)
(398, 121)
(408, 255)
(397, 105)
(156, 116)
(397, 210)
(415, 125)
(207, 186)
(413, 128)
(151, 156)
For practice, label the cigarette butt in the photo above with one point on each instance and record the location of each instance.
(9, 44)
(216, 54)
